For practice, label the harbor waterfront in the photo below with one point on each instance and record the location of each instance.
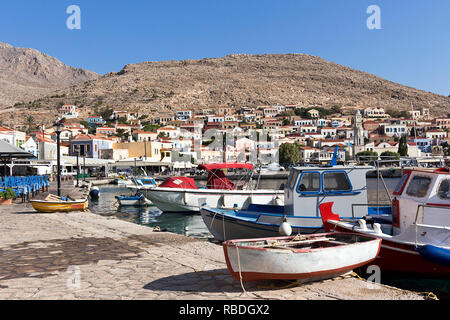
(90, 256)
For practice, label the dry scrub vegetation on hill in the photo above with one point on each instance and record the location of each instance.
(237, 80)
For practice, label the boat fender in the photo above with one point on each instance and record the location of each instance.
(377, 228)
(285, 228)
(435, 254)
(362, 224)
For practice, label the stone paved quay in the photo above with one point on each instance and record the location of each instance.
(87, 256)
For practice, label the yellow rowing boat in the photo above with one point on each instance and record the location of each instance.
(54, 204)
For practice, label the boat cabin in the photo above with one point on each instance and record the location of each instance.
(421, 195)
(308, 187)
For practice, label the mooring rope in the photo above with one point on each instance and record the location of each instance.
(240, 271)
(428, 295)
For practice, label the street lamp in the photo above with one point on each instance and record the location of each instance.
(59, 126)
(78, 165)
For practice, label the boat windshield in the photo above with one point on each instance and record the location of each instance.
(399, 186)
(418, 187)
(444, 190)
(336, 181)
(293, 176)
(310, 182)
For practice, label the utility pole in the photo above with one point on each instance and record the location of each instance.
(224, 147)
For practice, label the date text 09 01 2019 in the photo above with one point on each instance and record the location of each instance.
(231, 309)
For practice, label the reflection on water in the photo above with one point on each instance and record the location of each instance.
(107, 205)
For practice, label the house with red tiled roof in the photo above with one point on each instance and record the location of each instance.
(306, 153)
(14, 137)
(106, 131)
(169, 131)
(435, 134)
(334, 142)
(328, 131)
(229, 125)
(212, 126)
(443, 123)
(371, 126)
(141, 135)
(247, 125)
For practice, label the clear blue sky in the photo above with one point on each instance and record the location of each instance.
(412, 48)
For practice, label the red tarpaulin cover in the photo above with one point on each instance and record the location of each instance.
(216, 166)
(179, 182)
(217, 180)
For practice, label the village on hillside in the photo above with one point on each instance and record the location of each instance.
(284, 134)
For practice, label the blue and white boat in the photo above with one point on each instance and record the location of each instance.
(306, 189)
(137, 200)
(142, 183)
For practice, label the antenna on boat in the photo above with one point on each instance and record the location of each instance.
(334, 160)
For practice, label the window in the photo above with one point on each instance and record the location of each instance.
(399, 186)
(418, 186)
(444, 190)
(310, 182)
(336, 181)
(293, 178)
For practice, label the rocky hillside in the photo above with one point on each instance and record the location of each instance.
(239, 80)
(27, 74)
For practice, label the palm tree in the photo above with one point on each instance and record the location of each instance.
(30, 123)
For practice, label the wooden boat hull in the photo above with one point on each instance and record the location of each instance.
(59, 206)
(256, 263)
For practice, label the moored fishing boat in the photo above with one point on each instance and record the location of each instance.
(305, 190)
(53, 204)
(307, 258)
(142, 183)
(123, 181)
(417, 239)
(137, 200)
(181, 194)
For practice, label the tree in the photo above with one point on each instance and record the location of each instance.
(122, 133)
(151, 127)
(367, 155)
(106, 113)
(289, 153)
(30, 123)
(446, 148)
(403, 147)
(336, 109)
(391, 155)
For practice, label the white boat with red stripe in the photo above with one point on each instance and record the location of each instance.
(181, 194)
(417, 239)
(306, 258)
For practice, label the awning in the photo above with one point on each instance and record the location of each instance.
(10, 151)
(218, 166)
